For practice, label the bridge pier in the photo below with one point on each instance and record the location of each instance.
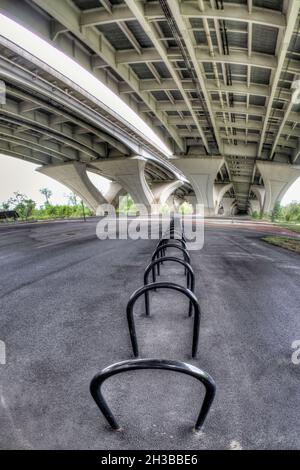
(259, 192)
(254, 206)
(201, 173)
(229, 207)
(220, 190)
(74, 176)
(162, 191)
(278, 178)
(129, 173)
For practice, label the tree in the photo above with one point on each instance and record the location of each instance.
(276, 213)
(72, 198)
(22, 204)
(47, 193)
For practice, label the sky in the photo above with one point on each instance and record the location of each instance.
(19, 175)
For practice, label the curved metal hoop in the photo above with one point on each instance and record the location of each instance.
(163, 285)
(187, 269)
(163, 242)
(161, 250)
(138, 364)
(172, 231)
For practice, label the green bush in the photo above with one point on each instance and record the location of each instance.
(27, 209)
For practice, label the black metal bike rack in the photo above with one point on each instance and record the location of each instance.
(179, 235)
(172, 238)
(187, 269)
(138, 364)
(163, 285)
(163, 242)
(161, 251)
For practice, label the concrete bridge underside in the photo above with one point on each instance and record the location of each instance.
(214, 80)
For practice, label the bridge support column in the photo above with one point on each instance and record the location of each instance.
(220, 190)
(277, 179)
(254, 206)
(228, 205)
(130, 174)
(162, 191)
(74, 176)
(201, 173)
(260, 193)
(114, 193)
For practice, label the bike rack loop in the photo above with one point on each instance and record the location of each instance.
(162, 249)
(163, 285)
(138, 364)
(188, 269)
(163, 241)
(170, 239)
(172, 231)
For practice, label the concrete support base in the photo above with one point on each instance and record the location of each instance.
(201, 173)
(129, 174)
(219, 191)
(254, 206)
(277, 179)
(162, 191)
(260, 193)
(227, 207)
(74, 176)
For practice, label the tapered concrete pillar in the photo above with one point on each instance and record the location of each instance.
(201, 173)
(220, 190)
(277, 179)
(260, 193)
(130, 174)
(74, 176)
(114, 193)
(254, 206)
(162, 191)
(227, 207)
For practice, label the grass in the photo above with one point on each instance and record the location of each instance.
(292, 244)
(290, 226)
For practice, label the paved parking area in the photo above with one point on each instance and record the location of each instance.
(63, 295)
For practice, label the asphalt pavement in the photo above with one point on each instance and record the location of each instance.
(63, 296)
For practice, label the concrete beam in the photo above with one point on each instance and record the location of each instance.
(70, 17)
(138, 11)
(291, 19)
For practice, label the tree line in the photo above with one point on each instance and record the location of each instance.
(28, 209)
(289, 213)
